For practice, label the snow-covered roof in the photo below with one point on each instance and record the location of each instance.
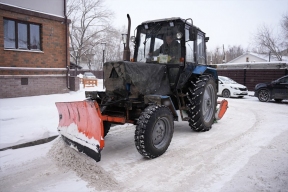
(260, 57)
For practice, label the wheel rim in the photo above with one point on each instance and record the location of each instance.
(161, 132)
(208, 103)
(226, 93)
(263, 95)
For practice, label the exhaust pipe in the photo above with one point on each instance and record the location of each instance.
(126, 55)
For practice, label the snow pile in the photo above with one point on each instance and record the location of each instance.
(86, 168)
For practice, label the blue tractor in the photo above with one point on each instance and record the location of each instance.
(161, 83)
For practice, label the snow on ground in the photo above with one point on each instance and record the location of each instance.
(33, 118)
(247, 150)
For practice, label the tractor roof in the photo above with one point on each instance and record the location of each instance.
(188, 21)
(165, 19)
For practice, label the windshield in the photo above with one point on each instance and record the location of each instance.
(227, 80)
(88, 74)
(158, 43)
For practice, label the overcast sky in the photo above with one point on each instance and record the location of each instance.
(228, 22)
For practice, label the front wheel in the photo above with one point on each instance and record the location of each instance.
(201, 102)
(154, 131)
(264, 95)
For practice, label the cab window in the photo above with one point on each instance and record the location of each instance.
(200, 48)
(189, 48)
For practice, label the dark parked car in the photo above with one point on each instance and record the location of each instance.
(277, 90)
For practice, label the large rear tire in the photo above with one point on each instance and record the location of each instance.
(201, 102)
(154, 131)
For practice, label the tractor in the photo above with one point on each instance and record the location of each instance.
(151, 90)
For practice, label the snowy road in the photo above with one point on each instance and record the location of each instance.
(245, 151)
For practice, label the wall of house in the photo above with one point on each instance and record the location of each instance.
(18, 86)
(20, 64)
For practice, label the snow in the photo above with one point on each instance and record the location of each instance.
(246, 150)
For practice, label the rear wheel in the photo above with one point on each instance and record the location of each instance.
(201, 103)
(154, 131)
(264, 95)
(226, 93)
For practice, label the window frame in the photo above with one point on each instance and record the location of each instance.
(28, 34)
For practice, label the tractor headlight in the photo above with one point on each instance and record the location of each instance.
(179, 35)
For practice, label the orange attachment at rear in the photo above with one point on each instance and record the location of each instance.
(222, 109)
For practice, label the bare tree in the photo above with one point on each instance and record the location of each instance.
(216, 55)
(233, 52)
(284, 25)
(267, 42)
(90, 21)
(112, 50)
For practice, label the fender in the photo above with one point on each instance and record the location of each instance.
(162, 100)
(198, 70)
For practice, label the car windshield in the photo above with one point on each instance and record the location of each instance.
(227, 80)
(88, 74)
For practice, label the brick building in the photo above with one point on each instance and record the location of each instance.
(34, 52)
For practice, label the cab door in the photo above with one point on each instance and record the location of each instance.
(280, 88)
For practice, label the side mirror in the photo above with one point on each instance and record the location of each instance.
(192, 34)
(132, 39)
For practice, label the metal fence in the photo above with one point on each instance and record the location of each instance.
(250, 74)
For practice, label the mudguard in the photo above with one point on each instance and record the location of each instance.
(81, 126)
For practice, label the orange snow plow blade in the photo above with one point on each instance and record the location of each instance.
(222, 109)
(81, 126)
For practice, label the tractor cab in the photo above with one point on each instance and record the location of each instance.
(170, 41)
(174, 42)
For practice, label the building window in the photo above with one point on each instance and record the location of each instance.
(21, 35)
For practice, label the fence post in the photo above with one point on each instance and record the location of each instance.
(244, 77)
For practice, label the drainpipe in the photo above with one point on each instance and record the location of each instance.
(66, 42)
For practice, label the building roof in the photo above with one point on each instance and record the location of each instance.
(261, 57)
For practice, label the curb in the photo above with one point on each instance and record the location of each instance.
(32, 143)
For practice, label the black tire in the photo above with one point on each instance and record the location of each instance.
(264, 95)
(107, 126)
(226, 93)
(201, 103)
(154, 131)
